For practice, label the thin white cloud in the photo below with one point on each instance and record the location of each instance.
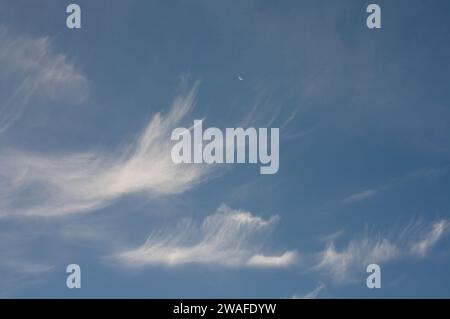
(359, 253)
(314, 294)
(342, 265)
(356, 197)
(228, 237)
(18, 267)
(22, 277)
(414, 175)
(33, 184)
(289, 258)
(430, 239)
(31, 69)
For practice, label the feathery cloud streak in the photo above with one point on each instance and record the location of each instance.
(33, 184)
(413, 241)
(229, 237)
(31, 69)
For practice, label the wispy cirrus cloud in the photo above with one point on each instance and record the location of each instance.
(422, 173)
(30, 69)
(359, 253)
(436, 232)
(231, 238)
(286, 259)
(59, 184)
(19, 268)
(362, 195)
(314, 294)
(412, 241)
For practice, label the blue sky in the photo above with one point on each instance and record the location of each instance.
(85, 170)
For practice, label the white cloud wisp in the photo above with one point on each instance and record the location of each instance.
(412, 241)
(30, 69)
(231, 238)
(54, 185)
